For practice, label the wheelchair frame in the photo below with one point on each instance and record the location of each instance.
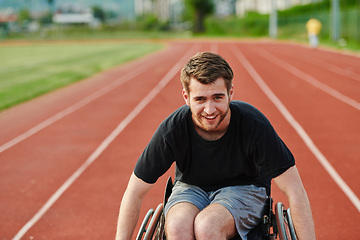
(278, 224)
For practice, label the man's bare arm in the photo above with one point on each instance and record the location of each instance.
(130, 207)
(290, 184)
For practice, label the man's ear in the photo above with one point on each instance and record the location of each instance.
(231, 93)
(186, 97)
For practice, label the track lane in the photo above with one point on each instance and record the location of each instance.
(340, 58)
(341, 79)
(345, 139)
(345, 61)
(318, 81)
(317, 194)
(150, 201)
(48, 158)
(346, 71)
(314, 113)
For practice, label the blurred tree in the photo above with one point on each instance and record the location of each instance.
(150, 22)
(111, 14)
(46, 18)
(51, 5)
(199, 9)
(147, 22)
(24, 16)
(99, 13)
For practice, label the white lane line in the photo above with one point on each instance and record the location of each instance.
(165, 80)
(298, 128)
(102, 91)
(325, 65)
(306, 77)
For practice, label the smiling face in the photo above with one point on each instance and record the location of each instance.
(209, 104)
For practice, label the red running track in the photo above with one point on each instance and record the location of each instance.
(66, 157)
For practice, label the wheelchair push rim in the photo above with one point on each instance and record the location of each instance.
(284, 223)
(147, 231)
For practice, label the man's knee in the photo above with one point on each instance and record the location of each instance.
(179, 223)
(205, 227)
(214, 222)
(178, 229)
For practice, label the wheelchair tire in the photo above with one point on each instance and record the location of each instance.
(284, 223)
(291, 225)
(144, 223)
(154, 222)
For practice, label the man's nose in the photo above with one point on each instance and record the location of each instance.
(209, 108)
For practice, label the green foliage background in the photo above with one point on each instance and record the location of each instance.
(253, 25)
(291, 23)
(29, 71)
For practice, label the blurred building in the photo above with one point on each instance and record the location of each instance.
(172, 9)
(264, 6)
(143, 7)
(8, 19)
(160, 8)
(73, 18)
(75, 14)
(225, 7)
(7, 15)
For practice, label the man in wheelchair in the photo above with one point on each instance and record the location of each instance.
(226, 154)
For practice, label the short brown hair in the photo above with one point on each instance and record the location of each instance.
(206, 67)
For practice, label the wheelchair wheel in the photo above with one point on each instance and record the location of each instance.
(142, 229)
(291, 225)
(160, 229)
(154, 223)
(284, 223)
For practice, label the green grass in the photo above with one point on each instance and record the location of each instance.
(29, 71)
(76, 33)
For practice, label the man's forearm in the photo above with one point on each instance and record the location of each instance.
(302, 218)
(130, 207)
(128, 217)
(290, 184)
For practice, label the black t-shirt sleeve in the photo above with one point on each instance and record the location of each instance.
(271, 153)
(168, 144)
(156, 158)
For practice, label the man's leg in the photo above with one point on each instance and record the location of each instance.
(185, 221)
(179, 222)
(215, 222)
(192, 212)
(185, 202)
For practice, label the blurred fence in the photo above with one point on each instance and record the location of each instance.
(294, 26)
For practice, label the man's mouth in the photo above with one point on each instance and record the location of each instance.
(210, 117)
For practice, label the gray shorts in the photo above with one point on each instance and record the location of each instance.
(245, 203)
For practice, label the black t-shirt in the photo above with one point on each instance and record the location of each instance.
(250, 152)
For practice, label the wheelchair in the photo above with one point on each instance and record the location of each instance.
(274, 224)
